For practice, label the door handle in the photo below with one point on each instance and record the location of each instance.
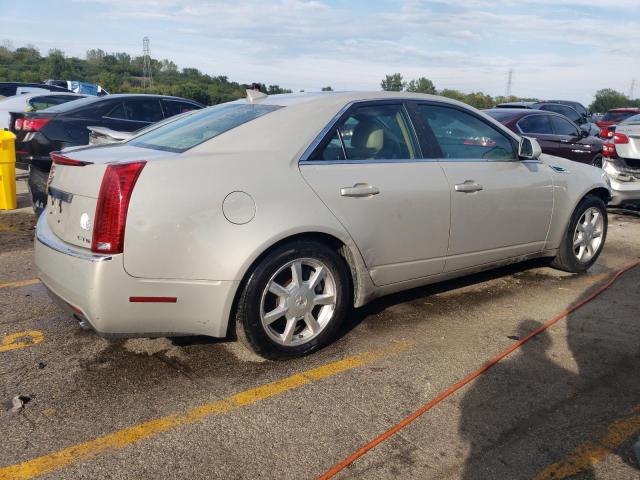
(359, 190)
(469, 186)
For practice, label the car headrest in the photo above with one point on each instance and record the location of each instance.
(368, 135)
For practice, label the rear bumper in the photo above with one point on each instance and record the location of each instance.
(96, 288)
(624, 193)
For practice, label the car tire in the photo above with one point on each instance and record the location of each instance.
(597, 161)
(38, 188)
(272, 312)
(585, 236)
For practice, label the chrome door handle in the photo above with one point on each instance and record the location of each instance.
(468, 186)
(359, 190)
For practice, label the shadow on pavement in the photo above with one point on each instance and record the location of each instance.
(529, 412)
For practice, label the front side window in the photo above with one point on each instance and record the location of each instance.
(144, 110)
(191, 129)
(117, 112)
(564, 127)
(371, 132)
(464, 136)
(539, 124)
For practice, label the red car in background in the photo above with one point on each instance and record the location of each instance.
(614, 116)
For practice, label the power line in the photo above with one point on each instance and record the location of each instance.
(147, 76)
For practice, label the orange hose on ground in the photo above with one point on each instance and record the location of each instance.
(428, 406)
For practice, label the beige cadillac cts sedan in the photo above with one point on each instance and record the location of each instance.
(273, 216)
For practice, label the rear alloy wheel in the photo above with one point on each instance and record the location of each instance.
(294, 301)
(585, 236)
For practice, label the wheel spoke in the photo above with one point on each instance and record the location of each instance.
(275, 314)
(296, 274)
(311, 322)
(278, 290)
(597, 234)
(317, 276)
(580, 252)
(578, 241)
(595, 215)
(287, 335)
(324, 299)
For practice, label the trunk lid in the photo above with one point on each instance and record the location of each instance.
(73, 190)
(631, 149)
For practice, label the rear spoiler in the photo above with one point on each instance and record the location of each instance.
(60, 159)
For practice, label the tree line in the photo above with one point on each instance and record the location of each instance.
(605, 99)
(122, 73)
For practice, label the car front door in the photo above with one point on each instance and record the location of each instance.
(572, 144)
(500, 206)
(370, 173)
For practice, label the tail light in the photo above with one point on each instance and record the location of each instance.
(609, 150)
(18, 124)
(620, 138)
(31, 124)
(113, 204)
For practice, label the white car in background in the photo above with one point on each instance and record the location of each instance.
(623, 171)
(32, 102)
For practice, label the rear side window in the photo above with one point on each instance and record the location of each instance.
(568, 112)
(564, 127)
(195, 128)
(174, 107)
(144, 110)
(117, 112)
(371, 132)
(536, 124)
(464, 136)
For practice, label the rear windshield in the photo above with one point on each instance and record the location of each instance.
(195, 128)
(616, 116)
(634, 119)
(69, 106)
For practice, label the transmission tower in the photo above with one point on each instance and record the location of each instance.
(509, 80)
(632, 88)
(147, 76)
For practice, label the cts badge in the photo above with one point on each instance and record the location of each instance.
(85, 221)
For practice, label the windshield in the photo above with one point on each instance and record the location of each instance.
(616, 116)
(188, 131)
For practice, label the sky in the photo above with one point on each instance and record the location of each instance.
(557, 49)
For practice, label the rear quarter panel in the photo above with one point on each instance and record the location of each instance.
(176, 228)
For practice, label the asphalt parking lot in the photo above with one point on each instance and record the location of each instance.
(565, 405)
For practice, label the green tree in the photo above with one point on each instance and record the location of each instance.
(327, 89)
(607, 98)
(479, 100)
(422, 85)
(454, 94)
(393, 83)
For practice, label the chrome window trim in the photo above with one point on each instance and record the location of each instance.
(361, 161)
(323, 133)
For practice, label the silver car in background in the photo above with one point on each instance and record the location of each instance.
(623, 170)
(273, 216)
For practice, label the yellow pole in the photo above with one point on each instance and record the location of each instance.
(7, 171)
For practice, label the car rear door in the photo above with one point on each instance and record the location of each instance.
(571, 140)
(369, 171)
(500, 206)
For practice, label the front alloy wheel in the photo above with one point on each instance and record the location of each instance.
(587, 236)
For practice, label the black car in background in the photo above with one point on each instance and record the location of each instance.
(9, 89)
(40, 133)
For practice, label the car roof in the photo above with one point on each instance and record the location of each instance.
(624, 109)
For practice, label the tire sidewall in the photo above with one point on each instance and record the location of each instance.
(37, 187)
(248, 320)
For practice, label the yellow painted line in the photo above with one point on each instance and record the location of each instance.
(588, 454)
(21, 340)
(121, 438)
(20, 283)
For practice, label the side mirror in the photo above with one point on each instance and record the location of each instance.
(584, 133)
(529, 149)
